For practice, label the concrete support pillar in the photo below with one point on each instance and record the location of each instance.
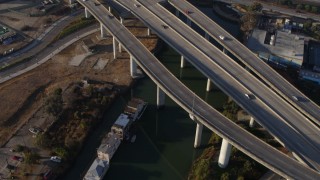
(86, 13)
(103, 31)
(71, 1)
(121, 20)
(183, 63)
(225, 152)
(225, 50)
(197, 140)
(148, 31)
(133, 67)
(114, 47)
(189, 22)
(109, 8)
(206, 35)
(119, 47)
(209, 85)
(177, 12)
(251, 123)
(160, 98)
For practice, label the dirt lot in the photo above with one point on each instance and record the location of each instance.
(21, 97)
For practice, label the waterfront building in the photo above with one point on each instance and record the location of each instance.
(135, 108)
(108, 147)
(97, 170)
(310, 69)
(121, 126)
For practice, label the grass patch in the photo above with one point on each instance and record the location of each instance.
(75, 26)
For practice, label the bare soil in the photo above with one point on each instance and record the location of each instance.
(21, 97)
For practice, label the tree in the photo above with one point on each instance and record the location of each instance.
(31, 157)
(225, 176)
(54, 103)
(58, 91)
(307, 25)
(256, 7)
(284, 2)
(247, 166)
(42, 140)
(300, 6)
(314, 9)
(307, 7)
(61, 152)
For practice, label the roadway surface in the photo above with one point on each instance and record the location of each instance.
(265, 72)
(207, 115)
(38, 44)
(239, 82)
(25, 66)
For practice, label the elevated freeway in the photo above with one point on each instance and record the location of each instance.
(201, 53)
(269, 76)
(192, 104)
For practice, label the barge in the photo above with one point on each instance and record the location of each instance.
(111, 142)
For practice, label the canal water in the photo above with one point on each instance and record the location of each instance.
(164, 145)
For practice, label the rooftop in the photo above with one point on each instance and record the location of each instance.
(110, 140)
(122, 121)
(285, 45)
(97, 170)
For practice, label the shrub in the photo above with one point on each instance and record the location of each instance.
(20, 148)
(31, 157)
(26, 28)
(42, 140)
(225, 176)
(61, 152)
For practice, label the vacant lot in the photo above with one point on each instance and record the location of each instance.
(22, 96)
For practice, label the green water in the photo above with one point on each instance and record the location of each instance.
(163, 149)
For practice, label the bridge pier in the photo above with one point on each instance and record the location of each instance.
(86, 13)
(209, 85)
(114, 48)
(177, 12)
(251, 123)
(71, 1)
(225, 51)
(206, 36)
(133, 67)
(197, 140)
(224, 155)
(109, 9)
(103, 31)
(182, 63)
(160, 98)
(189, 22)
(148, 31)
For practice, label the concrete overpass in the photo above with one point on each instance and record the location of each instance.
(236, 77)
(194, 105)
(266, 73)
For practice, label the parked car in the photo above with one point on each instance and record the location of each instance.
(56, 159)
(35, 130)
(17, 158)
